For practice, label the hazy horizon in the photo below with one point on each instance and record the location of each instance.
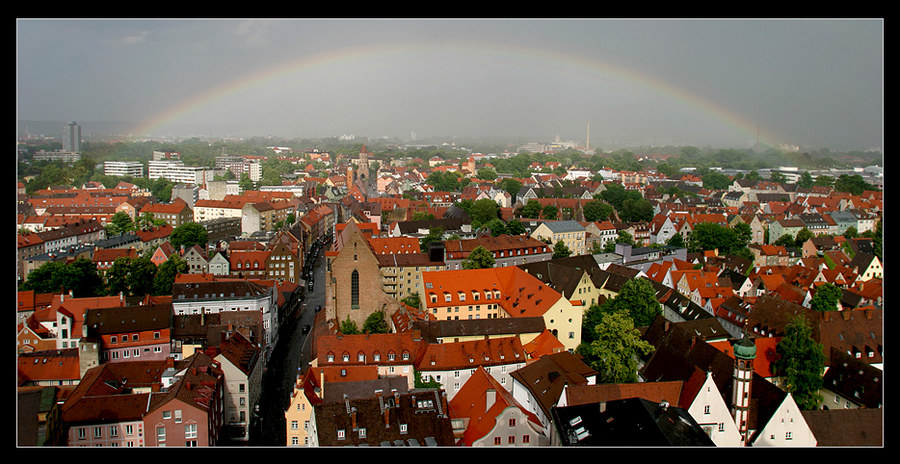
(809, 83)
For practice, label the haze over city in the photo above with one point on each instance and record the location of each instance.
(721, 82)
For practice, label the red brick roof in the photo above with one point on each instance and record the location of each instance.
(521, 294)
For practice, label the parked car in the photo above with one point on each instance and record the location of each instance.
(306, 328)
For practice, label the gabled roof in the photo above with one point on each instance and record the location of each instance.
(49, 366)
(469, 354)
(240, 352)
(472, 402)
(546, 377)
(521, 294)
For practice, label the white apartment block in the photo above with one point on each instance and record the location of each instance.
(177, 172)
(123, 168)
(64, 156)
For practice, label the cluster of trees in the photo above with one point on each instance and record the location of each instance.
(630, 205)
(373, 324)
(121, 223)
(129, 276)
(610, 342)
(710, 236)
(801, 363)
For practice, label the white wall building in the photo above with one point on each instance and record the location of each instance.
(123, 168)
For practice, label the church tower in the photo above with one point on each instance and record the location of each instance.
(744, 354)
(363, 166)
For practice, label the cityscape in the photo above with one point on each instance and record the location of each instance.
(207, 283)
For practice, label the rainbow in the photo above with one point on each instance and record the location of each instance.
(592, 68)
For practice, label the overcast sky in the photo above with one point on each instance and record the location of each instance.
(713, 82)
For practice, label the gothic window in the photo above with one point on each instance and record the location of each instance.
(354, 289)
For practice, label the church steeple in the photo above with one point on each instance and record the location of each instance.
(744, 354)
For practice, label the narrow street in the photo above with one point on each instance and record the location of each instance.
(290, 353)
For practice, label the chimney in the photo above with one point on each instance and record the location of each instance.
(322, 384)
(353, 418)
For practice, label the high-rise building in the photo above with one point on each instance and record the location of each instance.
(71, 138)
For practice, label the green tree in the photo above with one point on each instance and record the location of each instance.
(411, 300)
(801, 363)
(637, 298)
(676, 240)
(851, 232)
(510, 185)
(616, 349)
(116, 276)
(245, 183)
(80, 277)
(636, 210)
(375, 324)
(479, 258)
(711, 236)
(497, 226)
(420, 384)
(785, 240)
(806, 180)
(188, 235)
(45, 278)
(852, 184)
(622, 237)
(349, 327)
(596, 210)
(147, 220)
(826, 298)
(435, 234)
(141, 276)
(531, 210)
(120, 223)
(716, 181)
(483, 211)
(824, 181)
(166, 273)
(514, 227)
(550, 212)
(560, 250)
(422, 216)
(802, 236)
(486, 174)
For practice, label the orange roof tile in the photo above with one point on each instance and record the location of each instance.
(521, 294)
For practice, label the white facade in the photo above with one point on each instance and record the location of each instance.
(712, 414)
(177, 172)
(453, 379)
(787, 427)
(123, 168)
(265, 304)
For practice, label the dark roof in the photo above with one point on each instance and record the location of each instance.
(547, 377)
(433, 330)
(678, 354)
(846, 427)
(628, 422)
(127, 319)
(854, 379)
(217, 290)
(381, 417)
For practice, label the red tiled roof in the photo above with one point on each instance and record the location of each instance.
(521, 294)
(471, 402)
